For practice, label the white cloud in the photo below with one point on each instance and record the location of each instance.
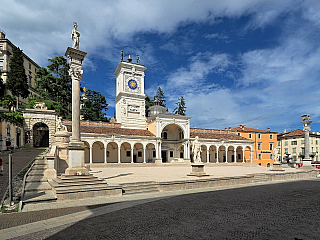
(42, 28)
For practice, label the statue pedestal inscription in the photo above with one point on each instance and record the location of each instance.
(198, 170)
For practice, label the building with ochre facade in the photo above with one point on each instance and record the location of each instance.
(264, 142)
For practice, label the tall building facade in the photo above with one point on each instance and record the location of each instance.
(292, 144)
(29, 65)
(264, 143)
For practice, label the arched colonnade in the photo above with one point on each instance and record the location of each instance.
(119, 152)
(226, 153)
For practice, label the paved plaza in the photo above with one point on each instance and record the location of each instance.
(125, 173)
(287, 210)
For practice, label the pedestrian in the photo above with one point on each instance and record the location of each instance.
(1, 166)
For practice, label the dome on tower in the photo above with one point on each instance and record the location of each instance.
(156, 109)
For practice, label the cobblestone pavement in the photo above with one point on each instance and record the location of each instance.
(20, 159)
(276, 211)
(17, 219)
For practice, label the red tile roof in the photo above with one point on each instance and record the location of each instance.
(297, 132)
(111, 130)
(246, 129)
(217, 136)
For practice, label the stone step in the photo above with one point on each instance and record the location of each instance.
(59, 183)
(76, 177)
(39, 186)
(36, 179)
(137, 190)
(40, 162)
(139, 187)
(36, 173)
(32, 197)
(137, 183)
(39, 167)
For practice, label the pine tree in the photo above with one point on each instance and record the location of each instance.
(160, 97)
(17, 81)
(148, 103)
(93, 103)
(54, 83)
(181, 107)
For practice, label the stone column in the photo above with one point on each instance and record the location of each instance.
(226, 154)
(243, 154)
(105, 154)
(132, 154)
(208, 160)
(235, 155)
(76, 147)
(119, 154)
(217, 153)
(90, 154)
(306, 128)
(144, 154)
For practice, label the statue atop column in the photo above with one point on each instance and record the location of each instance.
(75, 36)
(196, 149)
(306, 121)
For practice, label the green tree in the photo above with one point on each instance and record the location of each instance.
(93, 104)
(2, 85)
(148, 103)
(54, 83)
(9, 101)
(17, 81)
(181, 107)
(161, 98)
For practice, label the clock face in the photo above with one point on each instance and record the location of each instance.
(132, 84)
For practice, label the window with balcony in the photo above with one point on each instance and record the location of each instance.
(294, 142)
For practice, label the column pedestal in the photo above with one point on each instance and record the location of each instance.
(276, 167)
(307, 164)
(197, 170)
(76, 159)
(158, 161)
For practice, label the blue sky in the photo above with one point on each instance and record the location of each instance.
(235, 62)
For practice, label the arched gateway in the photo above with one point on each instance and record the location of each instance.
(40, 125)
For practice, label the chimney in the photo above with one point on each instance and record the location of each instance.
(285, 130)
(226, 129)
(268, 129)
(229, 128)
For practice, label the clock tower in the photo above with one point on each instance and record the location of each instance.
(130, 100)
